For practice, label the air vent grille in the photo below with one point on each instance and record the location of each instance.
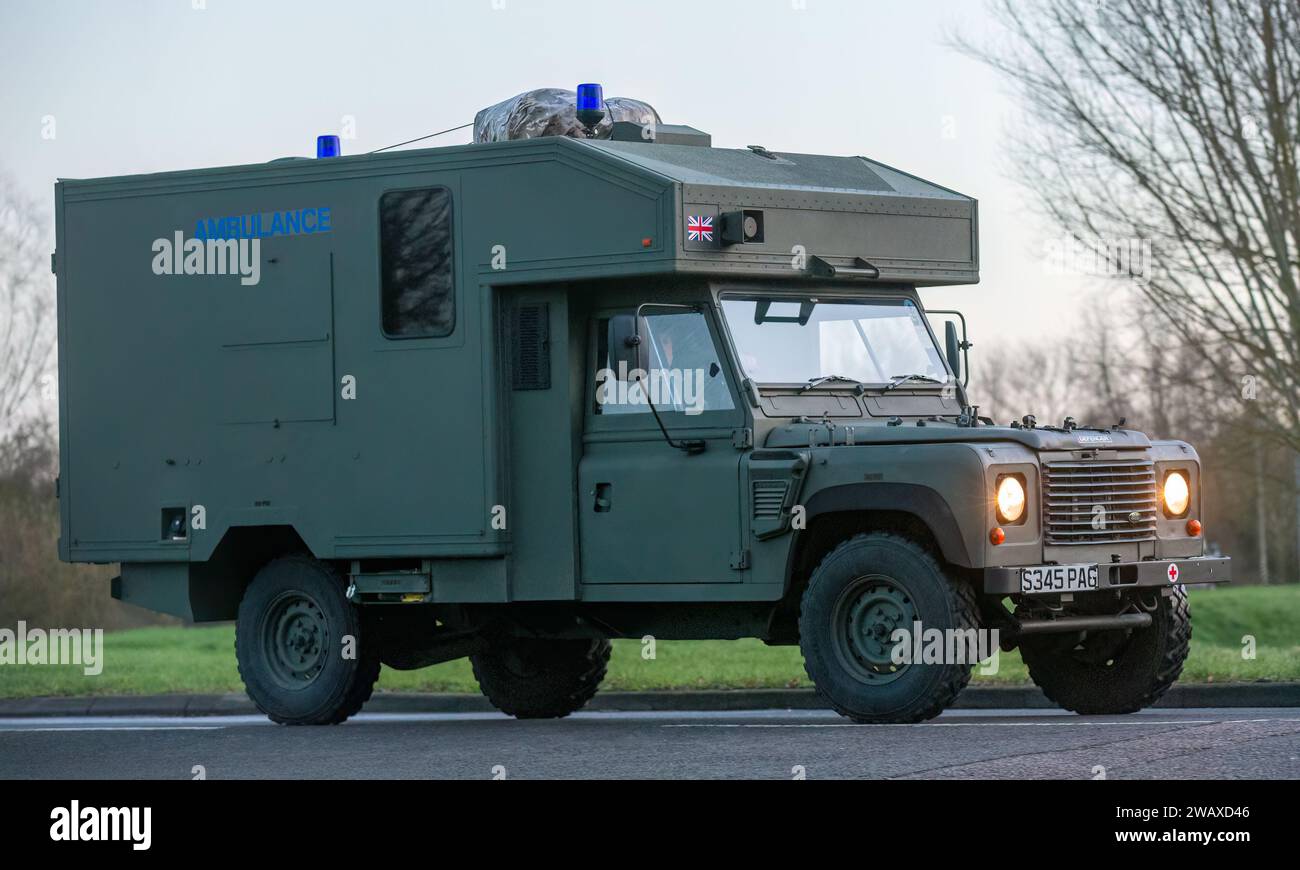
(769, 496)
(530, 346)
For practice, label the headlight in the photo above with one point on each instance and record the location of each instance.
(1177, 494)
(1011, 499)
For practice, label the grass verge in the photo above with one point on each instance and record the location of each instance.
(150, 661)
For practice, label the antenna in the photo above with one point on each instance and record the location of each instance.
(422, 138)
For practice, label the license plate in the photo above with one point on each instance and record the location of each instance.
(1058, 578)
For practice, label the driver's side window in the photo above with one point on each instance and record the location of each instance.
(668, 358)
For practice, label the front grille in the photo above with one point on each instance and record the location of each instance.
(1097, 502)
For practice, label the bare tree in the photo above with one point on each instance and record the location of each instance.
(1178, 122)
(26, 307)
(1021, 379)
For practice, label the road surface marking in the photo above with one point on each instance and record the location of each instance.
(116, 728)
(1071, 723)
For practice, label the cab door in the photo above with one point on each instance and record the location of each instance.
(654, 514)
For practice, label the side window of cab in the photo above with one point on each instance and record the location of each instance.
(670, 357)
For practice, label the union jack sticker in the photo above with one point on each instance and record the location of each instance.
(699, 228)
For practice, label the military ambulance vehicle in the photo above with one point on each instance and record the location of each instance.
(588, 378)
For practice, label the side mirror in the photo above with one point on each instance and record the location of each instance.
(953, 346)
(627, 349)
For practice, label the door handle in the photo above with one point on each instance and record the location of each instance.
(604, 493)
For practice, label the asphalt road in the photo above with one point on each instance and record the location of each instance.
(980, 744)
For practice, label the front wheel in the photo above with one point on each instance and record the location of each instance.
(863, 592)
(1110, 672)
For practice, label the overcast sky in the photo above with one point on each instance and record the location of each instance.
(100, 88)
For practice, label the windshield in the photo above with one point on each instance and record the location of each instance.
(793, 341)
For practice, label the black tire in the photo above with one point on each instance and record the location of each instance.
(541, 679)
(870, 584)
(289, 643)
(1114, 672)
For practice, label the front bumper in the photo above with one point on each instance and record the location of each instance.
(1125, 575)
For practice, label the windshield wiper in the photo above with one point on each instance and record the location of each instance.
(899, 380)
(825, 379)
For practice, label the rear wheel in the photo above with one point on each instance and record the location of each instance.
(866, 589)
(1110, 672)
(299, 645)
(532, 678)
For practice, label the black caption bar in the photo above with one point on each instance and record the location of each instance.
(331, 820)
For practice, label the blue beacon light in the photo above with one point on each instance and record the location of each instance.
(328, 146)
(591, 105)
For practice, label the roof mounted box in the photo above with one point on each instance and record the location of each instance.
(663, 134)
(842, 218)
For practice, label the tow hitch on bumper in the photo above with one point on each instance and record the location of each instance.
(1122, 575)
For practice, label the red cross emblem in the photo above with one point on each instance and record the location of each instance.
(1173, 572)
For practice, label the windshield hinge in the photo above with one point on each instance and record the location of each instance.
(742, 439)
(740, 560)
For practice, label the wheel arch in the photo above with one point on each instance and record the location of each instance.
(836, 513)
(207, 591)
(217, 585)
(925, 505)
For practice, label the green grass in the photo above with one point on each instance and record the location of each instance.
(151, 661)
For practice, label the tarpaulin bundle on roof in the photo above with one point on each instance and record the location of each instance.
(553, 112)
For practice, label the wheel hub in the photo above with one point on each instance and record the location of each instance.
(296, 635)
(868, 614)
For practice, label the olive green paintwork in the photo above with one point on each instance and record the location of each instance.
(180, 392)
